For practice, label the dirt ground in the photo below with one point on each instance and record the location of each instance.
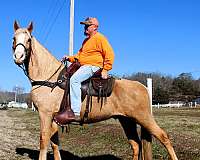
(13, 135)
(19, 137)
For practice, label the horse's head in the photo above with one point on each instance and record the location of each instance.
(21, 43)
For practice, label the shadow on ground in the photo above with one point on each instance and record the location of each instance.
(34, 155)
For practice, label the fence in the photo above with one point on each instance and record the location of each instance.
(175, 105)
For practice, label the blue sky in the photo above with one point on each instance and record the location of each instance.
(147, 35)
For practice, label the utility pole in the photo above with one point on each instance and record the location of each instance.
(15, 96)
(15, 89)
(71, 29)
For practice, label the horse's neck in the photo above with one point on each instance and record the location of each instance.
(42, 64)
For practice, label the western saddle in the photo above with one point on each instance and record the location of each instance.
(94, 86)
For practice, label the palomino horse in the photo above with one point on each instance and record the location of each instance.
(129, 101)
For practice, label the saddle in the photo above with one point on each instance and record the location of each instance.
(92, 87)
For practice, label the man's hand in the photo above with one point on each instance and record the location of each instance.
(104, 74)
(64, 58)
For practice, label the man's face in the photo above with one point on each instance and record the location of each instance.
(89, 29)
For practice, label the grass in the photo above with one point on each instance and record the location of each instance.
(106, 140)
(183, 128)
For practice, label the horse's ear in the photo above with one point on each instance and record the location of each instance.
(30, 27)
(16, 26)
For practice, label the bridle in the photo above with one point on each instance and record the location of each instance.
(28, 52)
(27, 55)
(21, 44)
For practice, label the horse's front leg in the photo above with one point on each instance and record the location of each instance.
(45, 134)
(55, 141)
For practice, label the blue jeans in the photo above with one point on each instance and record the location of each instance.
(83, 73)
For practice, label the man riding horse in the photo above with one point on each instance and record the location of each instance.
(129, 101)
(96, 53)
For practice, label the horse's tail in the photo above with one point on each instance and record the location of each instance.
(146, 140)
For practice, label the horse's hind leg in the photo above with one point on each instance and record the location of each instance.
(55, 141)
(159, 133)
(146, 140)
(130, 130)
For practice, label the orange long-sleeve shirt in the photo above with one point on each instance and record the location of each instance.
(96, 51)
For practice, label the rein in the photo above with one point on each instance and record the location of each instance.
(41, 83)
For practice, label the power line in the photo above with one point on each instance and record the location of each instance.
(54, 20)
(50, 12)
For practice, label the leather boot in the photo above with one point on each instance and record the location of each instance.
(64, 117)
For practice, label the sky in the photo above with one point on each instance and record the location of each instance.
(146, 35)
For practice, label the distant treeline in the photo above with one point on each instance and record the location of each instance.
(167, 88)
(6, 97)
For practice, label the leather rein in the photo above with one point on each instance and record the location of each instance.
(34, 82)
(41, 83)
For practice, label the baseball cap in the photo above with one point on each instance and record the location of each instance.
(90, 21)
